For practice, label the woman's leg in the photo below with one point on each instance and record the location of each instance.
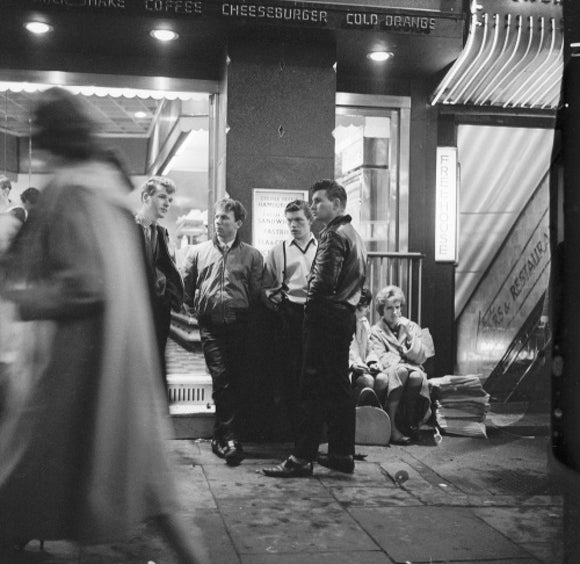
(361, 382)
(412, 397)
(382, 385)
(393, 401)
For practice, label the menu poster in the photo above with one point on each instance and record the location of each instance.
(268, 222)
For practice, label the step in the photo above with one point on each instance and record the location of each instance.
(191, 405)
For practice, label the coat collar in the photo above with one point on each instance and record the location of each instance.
(338, 220)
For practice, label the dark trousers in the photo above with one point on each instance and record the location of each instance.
(325, 390)
(292, 320)
(162, 320)
(223, 348)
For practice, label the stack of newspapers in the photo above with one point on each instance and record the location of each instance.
(460, 404)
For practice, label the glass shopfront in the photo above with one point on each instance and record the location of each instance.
(372, 163)
(156, 132)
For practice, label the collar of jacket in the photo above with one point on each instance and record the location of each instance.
(235, 242)
(338, 220)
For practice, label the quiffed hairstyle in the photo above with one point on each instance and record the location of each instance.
(63, 125)
(229, 205)
(297, 205)
(387, 293)
(365, 298)
(5, 183)
(333, 190)
(154, 183)
(30, 195)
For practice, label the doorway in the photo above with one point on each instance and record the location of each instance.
(372, 143)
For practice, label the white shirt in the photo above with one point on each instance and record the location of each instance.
(298, 263)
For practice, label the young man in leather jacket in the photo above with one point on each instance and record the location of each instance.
(334, 288)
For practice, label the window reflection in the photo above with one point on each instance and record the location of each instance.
(366, 157)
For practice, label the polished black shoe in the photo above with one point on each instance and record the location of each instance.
(218, 448)
(342, 464)
(233, 453)
(289, 469)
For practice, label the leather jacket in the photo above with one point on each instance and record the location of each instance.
(339, 268)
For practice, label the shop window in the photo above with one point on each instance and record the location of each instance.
(371, 162)
(155, 132)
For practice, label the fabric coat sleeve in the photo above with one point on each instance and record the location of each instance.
(354, 353)
(415, 351)
(75, 285)
(381, 352)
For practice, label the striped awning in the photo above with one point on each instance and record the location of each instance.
(509, 61)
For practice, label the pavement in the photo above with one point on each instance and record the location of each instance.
(468, 500)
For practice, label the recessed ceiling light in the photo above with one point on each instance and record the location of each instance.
(164, 34)
(140, 115)
(38, 28)
(379, 56)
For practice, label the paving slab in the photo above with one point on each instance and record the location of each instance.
(216, 537)
(522, 524)
(515, 501)
(247, 482)
(319, 558)
(546, 553)
(365, 496)
(506, 465)
(290, 525)
(530, 560)
(365, 473)
(193, 491)
(145, 545)
(431, 534)
(425, 485)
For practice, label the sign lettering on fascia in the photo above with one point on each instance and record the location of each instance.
(311, 14)
(166, 7)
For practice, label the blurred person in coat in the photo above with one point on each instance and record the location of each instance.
(5, 188)
(82, 440)
(28, 198)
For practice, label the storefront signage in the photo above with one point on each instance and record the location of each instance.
(268, 220)
(446, 180)
(392, 22)
(401, 16)
(278, 13)
(530, 268)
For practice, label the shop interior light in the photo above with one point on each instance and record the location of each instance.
(38, 28)
(140, 115)
(379, 56)
(164, 34)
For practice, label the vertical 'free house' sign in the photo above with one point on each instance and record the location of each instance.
(446, 205)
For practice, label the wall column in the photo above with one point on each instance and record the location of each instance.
(280, 113)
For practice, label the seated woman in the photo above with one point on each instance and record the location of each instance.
(361, 359)
(400, 350)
